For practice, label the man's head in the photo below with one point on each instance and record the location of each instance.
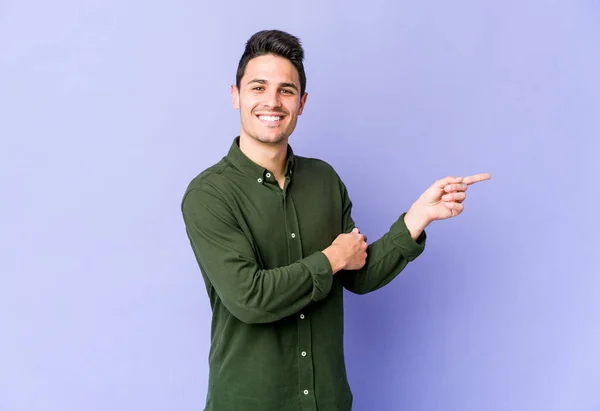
(270, 89)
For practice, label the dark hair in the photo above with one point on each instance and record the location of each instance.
(274, 42)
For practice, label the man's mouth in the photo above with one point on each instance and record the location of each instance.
(270, 119)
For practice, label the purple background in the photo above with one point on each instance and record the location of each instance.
(109, 108)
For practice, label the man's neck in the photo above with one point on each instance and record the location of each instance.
(270, 156)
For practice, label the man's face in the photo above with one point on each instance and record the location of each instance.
(269, 99)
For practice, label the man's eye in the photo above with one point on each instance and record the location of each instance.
(287, 91)
(258, 88)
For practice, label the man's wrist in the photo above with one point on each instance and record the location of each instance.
(416, 222)
(333, 255)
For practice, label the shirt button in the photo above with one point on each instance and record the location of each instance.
(305, 392)
(302, 316)
(293, 235)
(268, 175)
(304, 353)
(259, 180)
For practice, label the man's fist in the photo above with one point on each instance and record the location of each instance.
(348, 251)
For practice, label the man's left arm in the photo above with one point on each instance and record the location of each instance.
(386, 257)
(406, 238)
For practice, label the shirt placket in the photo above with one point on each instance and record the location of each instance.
(304, 354)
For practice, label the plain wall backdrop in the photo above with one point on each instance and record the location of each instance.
(109, 108)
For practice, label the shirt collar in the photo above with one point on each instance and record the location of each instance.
(247, 166)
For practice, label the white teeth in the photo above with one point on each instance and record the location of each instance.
(270, 118)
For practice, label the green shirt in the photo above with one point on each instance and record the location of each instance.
(277, 332)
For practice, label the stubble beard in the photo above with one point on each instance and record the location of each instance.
(279, 138)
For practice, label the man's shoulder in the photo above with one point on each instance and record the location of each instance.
(207, 178)
(315, 165)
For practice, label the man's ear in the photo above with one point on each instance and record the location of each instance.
(302, 103)
(235, 97)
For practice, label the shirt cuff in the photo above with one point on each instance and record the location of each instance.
(402, 239)
(322, 274)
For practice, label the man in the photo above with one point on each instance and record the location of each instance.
(276, 244)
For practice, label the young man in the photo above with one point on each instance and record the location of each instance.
(276, 244)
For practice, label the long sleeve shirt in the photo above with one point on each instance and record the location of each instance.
(277, 331)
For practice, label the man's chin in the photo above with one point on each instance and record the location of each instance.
(272, 140)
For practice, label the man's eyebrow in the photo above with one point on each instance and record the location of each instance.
(261, 81)
(290, 85)
(256, 80)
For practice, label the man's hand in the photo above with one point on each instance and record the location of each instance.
(348, 251)
(440, 201)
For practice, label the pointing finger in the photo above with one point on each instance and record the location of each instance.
(476, 178)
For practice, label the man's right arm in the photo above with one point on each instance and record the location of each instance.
(226, 256)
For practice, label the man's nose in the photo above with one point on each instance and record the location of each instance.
(273, 98)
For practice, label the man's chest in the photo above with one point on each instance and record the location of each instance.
(287, 225)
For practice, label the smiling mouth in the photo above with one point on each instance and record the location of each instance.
(270, 119)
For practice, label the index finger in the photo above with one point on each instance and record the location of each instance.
(476, 178)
